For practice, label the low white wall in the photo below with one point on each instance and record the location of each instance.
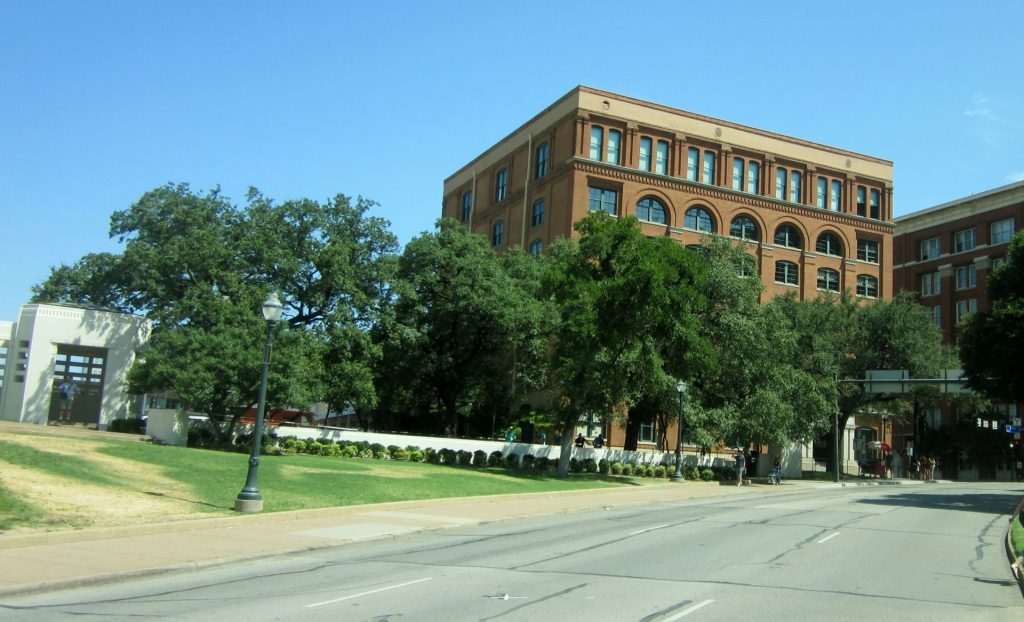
(521, 449)
(168, 426)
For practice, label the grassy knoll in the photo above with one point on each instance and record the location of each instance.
(48, 481)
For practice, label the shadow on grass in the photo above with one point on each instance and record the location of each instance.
(192, 501)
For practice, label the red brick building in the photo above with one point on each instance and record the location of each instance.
(945, 254)
(816, 218)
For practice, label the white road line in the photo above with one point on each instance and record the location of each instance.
(826, 539)
(382, 589)
(649, 529)
(686, 612)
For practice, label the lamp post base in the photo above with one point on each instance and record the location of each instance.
(249, 506)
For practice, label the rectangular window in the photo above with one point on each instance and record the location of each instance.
(709, 167)
(876, 209)
(786, 272)
(1001, 232)
(646, 433)
(930, 284)
(780, 184)
(937, 315)
(867, 250)
(753, 177)
(467, 206)
(661, 158)
(540, 167)
(836, 197)
(692, 163)
(645, 154)
(795, 187)
(963, 241)
(737, 173)
(929, 249)
(596, 142)
(501, 185)
(862, 201)
(966, 276)
(822, 193)
(867, 286)
(614, 140)
(602, 200)
(965, 307)
(828, 280)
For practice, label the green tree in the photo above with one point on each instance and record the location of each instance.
(465, 326)
(991, 343)
(627, 310)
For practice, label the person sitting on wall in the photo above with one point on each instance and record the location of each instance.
(599, 441)
(580, 440)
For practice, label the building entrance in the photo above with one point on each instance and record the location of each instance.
(83, 366)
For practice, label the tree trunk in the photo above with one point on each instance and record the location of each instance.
(563, 460)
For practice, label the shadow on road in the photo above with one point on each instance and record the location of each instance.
(986, 503)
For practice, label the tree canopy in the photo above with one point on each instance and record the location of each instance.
(992, 340)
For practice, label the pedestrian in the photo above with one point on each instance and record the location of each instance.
(580, 441)
(599, 441)
(776, 472)
(67, 389)
(913, 467)
(741, 465)
(931, 468)
(543, 437)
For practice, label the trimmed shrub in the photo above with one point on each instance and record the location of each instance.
(602, 467)
(449, 456)
(707, 475)
(542, 463)
(590, 465)
(400, 454)
(465, 458)
(479, 458)
(627, 469)
(392, 450)
(415, 455)
(660, 471)
(349, 451)
(291, 444)
(512, 461)
(576, 466)
(615, 468)
(528, 461)
(494, 459)
(378, 451)
(431, 455)
(127, 426)
(649, 470)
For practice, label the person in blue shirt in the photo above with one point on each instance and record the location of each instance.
(67, 389)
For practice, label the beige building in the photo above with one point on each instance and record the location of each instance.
(816, 218)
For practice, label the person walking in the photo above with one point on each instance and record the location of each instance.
(741, 466)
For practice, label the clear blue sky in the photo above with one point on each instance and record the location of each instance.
(101, 101)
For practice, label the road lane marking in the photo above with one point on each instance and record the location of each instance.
(688, 611)
(381, 589)
(826, 539)
(649, 529)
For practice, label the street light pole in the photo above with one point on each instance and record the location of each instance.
(835, 429)
(678, 475)
(250, 499)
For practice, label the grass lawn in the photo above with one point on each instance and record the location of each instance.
(44, 481)
(1017, 537)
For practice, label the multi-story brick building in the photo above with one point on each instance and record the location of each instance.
(817, 218)
(945, 254)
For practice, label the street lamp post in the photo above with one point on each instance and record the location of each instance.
(678, 475)
(250, 499)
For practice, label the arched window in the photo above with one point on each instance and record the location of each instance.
(829, 244)
(497, 233)
(596, 142)
(743, 227)
(651, 210)
(787, 273)
(867, 286)
(698, 218)
(535, 247)
(538, 212)
(828, 280)
(788, 236)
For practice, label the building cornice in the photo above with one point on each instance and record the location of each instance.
(959, 209)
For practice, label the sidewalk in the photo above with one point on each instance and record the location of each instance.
(56, 560)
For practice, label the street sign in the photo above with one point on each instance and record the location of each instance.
(1013, 429)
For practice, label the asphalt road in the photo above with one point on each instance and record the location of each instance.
(861, 554)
